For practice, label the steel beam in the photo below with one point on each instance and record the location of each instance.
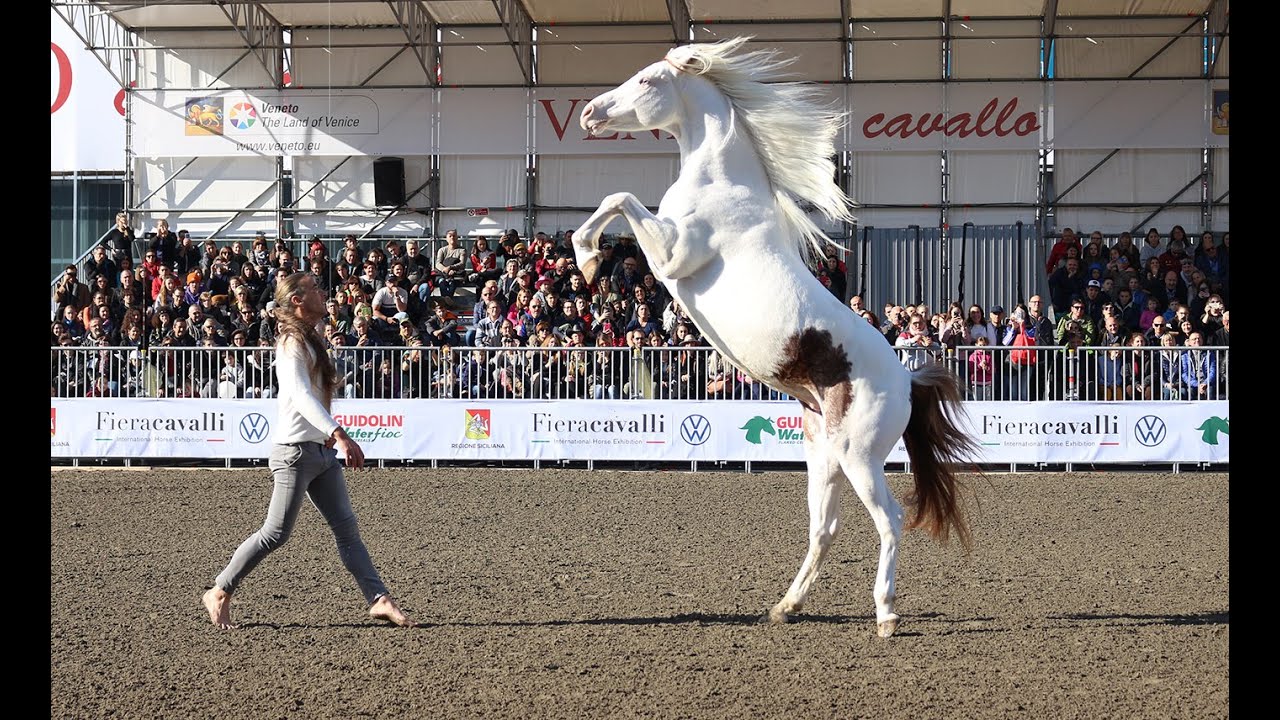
(420, 30)
(1219, 16)
(678, 10)
(519, 27)
(103, 35)
(262, 35)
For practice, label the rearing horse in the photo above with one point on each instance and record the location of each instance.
(730, 243)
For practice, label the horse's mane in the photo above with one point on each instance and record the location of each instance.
(791, 127)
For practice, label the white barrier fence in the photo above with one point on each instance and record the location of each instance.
(640, 430)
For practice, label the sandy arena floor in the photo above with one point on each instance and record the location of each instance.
(568, 594)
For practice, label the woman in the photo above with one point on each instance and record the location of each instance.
(519, 307)
(976, 326)
(484, 263)
(1151, 246)
(915, 346)
(1125, 248)
(605, 293)
(349, 265)
(303, 460)
(1138, 370)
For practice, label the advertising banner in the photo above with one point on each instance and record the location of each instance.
(86, 106)
(494, 121)
(651, 430)
(282, 123)
(1154, 114)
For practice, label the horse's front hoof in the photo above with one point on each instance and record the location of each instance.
(589, 268)
(888, 626)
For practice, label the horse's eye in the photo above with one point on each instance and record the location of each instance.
(644, 81)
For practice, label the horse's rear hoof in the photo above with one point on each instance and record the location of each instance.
(887, 627)
(776, 616)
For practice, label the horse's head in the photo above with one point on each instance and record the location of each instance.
(649, 100)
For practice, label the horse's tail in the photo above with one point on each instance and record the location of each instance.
(935, 444)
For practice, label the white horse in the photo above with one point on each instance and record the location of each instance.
(731, 244)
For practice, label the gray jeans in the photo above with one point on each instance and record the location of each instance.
(312, 470)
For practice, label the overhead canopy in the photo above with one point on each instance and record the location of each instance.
(359, 13)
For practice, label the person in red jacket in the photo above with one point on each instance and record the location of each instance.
(1059, 251)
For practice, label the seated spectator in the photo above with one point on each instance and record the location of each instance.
(1215, 266)
(1170, 368)
(1152, 247)
(642, 322)
(488, 332)
(98, 264)
(70, 291)
(1171, 259)
(1199, 370)
(1110, 372)
(1093, 301)
(1083, 323)
(1064, 284)
(1149, 316)
(483, 261)
(1125, 248)
(1138, 370)
(191, 292)
(442, 327)
(390, 307)
(1058, 252)
(451, 265)
(336, 318)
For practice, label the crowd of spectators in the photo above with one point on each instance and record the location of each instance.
(394, 318)
(1098, 298)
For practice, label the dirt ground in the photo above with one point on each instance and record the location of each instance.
(569, 594)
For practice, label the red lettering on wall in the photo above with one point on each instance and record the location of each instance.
(561, 125)
(556, 123)
(64, 77)
(961, 124)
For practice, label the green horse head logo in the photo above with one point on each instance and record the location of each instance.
(757, 425)
(1210, 428)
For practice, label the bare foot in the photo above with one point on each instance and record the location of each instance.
(384, 608)
(218, 602)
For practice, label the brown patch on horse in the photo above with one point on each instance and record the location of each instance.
(812, 360)
(837, 401)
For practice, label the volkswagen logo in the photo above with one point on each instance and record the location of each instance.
(695, 429)
(254, 428)
(1150, 430)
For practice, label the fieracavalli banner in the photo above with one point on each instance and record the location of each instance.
(651, 430)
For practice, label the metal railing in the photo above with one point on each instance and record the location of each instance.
(563, 373)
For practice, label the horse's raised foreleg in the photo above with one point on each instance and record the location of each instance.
(824, 514)
(669, 250)
(585, 240)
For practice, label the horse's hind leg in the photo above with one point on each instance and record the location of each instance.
(824, 514)
(866, 473)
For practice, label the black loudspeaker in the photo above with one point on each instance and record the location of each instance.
(388, 181)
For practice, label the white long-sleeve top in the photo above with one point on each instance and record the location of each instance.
(301, 416)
